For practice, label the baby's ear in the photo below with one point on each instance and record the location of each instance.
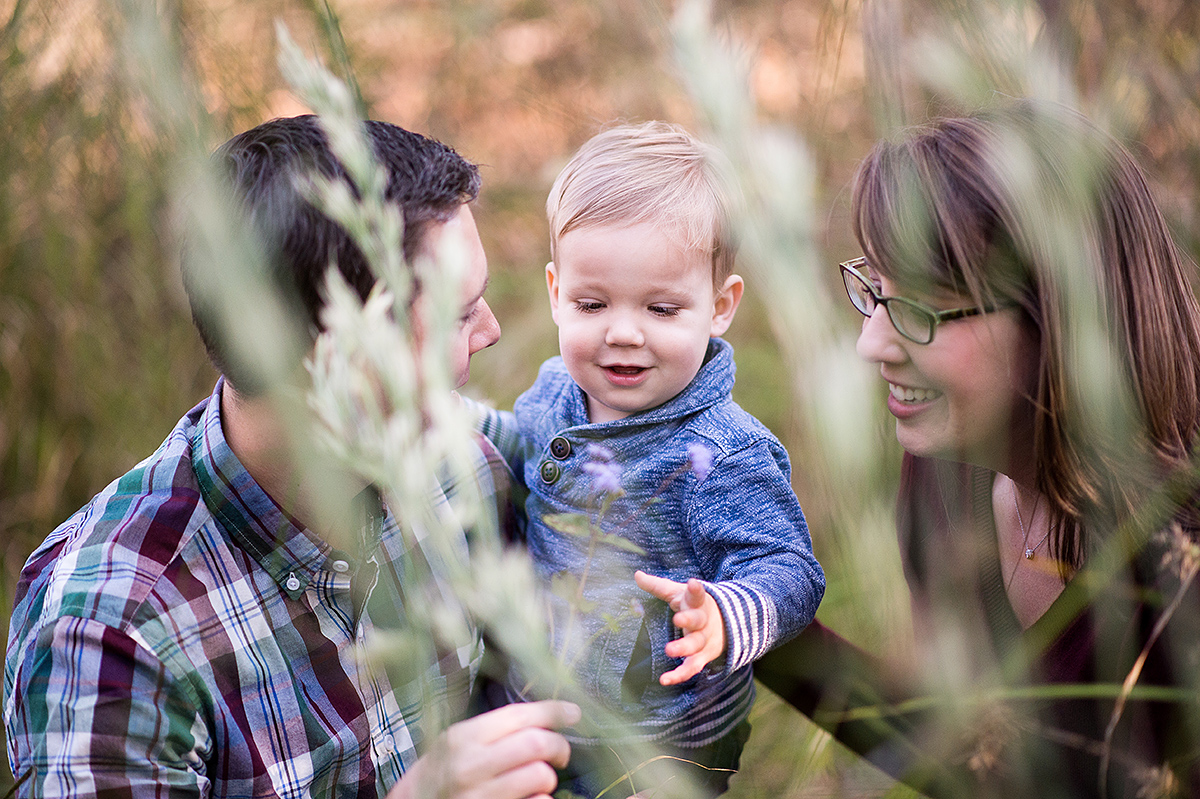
(726, 303)
(552, 288)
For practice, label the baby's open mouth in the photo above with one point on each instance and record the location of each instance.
(626, 370)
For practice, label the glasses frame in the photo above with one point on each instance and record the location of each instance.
(850, 270)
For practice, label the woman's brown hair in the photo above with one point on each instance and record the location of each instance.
(1029, 203)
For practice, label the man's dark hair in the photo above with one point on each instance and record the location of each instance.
(426, 179)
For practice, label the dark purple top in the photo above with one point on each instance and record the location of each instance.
(1033, 718)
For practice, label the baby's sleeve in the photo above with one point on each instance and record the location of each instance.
(752, 540)
(500, 428)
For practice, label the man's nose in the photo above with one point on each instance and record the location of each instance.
(487, 330)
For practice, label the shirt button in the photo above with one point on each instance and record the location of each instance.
(549, 471)
(559, 447)
(341, 566)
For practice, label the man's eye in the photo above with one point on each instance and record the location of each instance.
(664, 310)
(588, 306)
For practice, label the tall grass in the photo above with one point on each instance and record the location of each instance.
(97, 357)
(956, 62)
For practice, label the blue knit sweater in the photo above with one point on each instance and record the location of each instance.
(737, 526)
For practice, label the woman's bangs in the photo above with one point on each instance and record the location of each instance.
(896, 226)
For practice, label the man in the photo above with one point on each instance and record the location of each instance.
(192, 631)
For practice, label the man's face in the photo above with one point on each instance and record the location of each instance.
(476, 328)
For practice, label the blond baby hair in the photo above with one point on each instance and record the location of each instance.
(653, 172)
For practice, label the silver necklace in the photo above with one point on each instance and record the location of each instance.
(1024, 532)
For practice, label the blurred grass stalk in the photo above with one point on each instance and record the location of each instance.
(834, 396)
(385, 408)
(379, 403)
(975, 53)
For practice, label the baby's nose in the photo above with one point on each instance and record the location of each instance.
(624, 332)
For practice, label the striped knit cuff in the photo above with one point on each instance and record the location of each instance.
(751, 622)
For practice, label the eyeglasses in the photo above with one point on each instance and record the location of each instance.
(914, 321)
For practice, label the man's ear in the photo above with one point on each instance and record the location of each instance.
(726, 304)
(552, 288)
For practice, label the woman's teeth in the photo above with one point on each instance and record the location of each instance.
(912, 394)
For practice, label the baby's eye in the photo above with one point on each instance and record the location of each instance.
(588, 306)
(664, 310)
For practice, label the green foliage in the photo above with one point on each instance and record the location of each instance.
(577, 524)
(566, 586)
(98, 359)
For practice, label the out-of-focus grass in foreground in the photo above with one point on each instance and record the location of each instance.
(97, 356)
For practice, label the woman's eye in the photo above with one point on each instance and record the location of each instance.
(587, 306)
(664, 310)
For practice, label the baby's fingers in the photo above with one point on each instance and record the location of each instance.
(690, 620)
(686, 646)
(684, 672)
(661, 587)
(694, 594)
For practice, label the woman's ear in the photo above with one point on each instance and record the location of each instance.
(726, 303)
(552, 288)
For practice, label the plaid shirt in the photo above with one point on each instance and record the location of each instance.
(181, 635)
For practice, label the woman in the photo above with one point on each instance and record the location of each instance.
(1032, 317)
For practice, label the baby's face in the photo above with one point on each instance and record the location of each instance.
(634, 310)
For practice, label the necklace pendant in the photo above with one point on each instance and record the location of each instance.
(1028, 554)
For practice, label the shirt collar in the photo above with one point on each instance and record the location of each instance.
(290, 553)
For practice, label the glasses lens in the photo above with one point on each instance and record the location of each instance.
(859, 291)
(912, 321)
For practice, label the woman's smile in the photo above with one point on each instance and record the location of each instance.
(905, 402)
(910, 395)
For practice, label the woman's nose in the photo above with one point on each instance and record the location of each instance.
(879, 342)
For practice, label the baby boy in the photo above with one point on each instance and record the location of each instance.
(634, 430)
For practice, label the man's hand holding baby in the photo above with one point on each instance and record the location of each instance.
(697, 615)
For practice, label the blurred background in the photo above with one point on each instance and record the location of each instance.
(97, 355)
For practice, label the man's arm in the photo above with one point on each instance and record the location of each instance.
(93, 712)
(500, 428)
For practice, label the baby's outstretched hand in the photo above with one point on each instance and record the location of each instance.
(697, 614)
